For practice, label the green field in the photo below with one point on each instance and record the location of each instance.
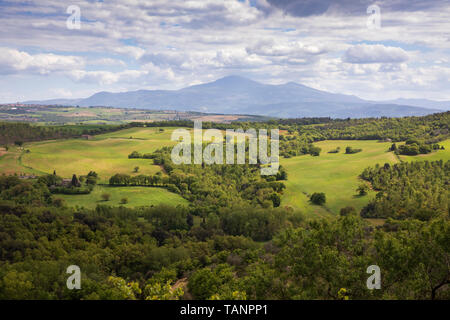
(437, 155)
(137, 196)
(335, 174)
(105, 154)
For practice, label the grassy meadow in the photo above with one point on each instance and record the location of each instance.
(437, 155)
(106, 154)
(136, 196)
(335, 174)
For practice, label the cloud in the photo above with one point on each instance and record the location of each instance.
(292, 49)
(305, 8)
(105, 77)
(159, 44)
(196, 61)
(15, 61)
(107, 62)
(377, 53)
(132, 51)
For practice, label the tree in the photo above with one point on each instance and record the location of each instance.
(281, 174)
(275, 199)
(347, 211)
(124, 200)
(393, 147)
(134, 155)
(205, 283)
(106, 196)
(350, 150)
(160, 291)
(315, 151)
(136, 169)
(123, 290)
(190, 220)
(318, 198)
(362, 189)
(75, 182)
(59, 202)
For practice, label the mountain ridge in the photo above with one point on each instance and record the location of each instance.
(239, 95)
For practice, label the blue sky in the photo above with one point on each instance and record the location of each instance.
(158, 44)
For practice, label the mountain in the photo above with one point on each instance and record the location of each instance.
(239, 95)
(424, 103)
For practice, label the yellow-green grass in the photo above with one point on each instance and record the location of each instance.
(376, 222)
(105, 154)
(335, 174)
(10, 162)
(136, 196)
(433, 156)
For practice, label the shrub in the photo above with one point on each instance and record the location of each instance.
(350, 150)
(362, 189)
(318, 198)
(134, 155)
(106, 196)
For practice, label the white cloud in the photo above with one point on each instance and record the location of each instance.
(107, 62)
(291, 49)
(105, 77)
(176, 43)
(363, 53)
(134, 52)
(15, 61)
(61, 93)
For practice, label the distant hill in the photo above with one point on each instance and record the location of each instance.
(239, 95)
(424, 103)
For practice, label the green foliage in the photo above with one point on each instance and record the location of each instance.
(20, 132)
(350, 150)
(318, 198)
(158, 291)
(75, 182)
(417, 189)
(362, 189)
(134, 155)
(106, 196)
(235, 240)
(205, 283)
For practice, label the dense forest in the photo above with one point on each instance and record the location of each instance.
(418, 189)
(20, 132)
(238, 252)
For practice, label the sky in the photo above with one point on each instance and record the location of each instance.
(376, 50)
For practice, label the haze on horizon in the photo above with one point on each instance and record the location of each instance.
(132, 45)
